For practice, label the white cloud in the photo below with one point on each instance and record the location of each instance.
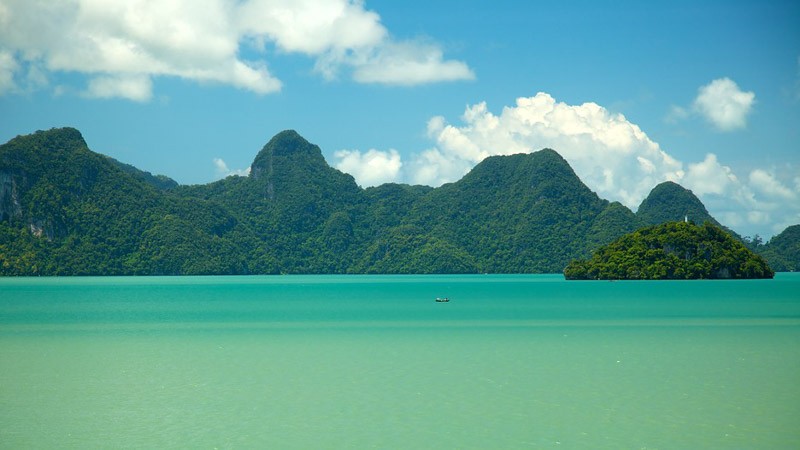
(766, 183)
(371, 168)
(612, 155)
(19, 78)
(8, 67)
(135, 87)
(120, 44)
(433, 167)
(410, 63)
(723, 104)
(676, 114)
(609, 153)
(222, 170)
(312, 27)
(709, 177)
(758, 217)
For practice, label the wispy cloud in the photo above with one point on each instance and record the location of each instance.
(222, 170)
(409, 63)
(770, 186)
(677, 114)
(797, 82)
(8, 69)
(122, 45)
(133, 87)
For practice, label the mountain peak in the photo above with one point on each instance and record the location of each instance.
(526, 168)
(669, 202)
(290, 167)
(286, 144)
(54, 139)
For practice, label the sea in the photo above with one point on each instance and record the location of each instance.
(373, 361)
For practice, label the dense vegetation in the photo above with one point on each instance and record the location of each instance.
(673, 250)
(782, 251)
(65, 210)
(669, 202)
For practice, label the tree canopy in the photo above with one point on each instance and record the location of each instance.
(65, 210)
(673, 250)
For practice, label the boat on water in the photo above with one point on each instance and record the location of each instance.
(442, 299)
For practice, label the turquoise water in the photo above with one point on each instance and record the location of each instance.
(512, 361)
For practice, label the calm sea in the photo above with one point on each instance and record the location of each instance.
(301, 362)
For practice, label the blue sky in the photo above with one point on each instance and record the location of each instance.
(630, 93)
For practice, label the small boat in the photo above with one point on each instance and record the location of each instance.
(442, 299)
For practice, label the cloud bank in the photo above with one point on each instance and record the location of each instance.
(122, 45)
(612, 155)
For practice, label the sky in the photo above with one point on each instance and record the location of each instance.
(630, 93)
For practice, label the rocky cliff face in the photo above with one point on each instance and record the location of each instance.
(283, 162)
(10, 207)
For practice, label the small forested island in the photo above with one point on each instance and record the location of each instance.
(671, 251)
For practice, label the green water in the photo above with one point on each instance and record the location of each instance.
(374, 362)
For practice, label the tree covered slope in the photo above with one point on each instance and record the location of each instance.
(65, 210)
(672, 250)
(783, 250)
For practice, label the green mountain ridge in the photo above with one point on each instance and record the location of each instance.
(65, 210)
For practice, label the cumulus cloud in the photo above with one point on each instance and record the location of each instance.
(312, 27)
(773, 200)
(607, 151)
(222, 170)
(766, 183)
(372, 168)
(722, 103)
(122, 45)
(709, 177)
(612, 155)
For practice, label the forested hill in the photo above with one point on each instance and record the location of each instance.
(670, 201)
(65, 210)
(671, 251)
(782, 251)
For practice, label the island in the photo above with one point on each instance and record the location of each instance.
(66, 210)
(672, 251)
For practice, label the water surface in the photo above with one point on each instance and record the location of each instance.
(513, 361)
